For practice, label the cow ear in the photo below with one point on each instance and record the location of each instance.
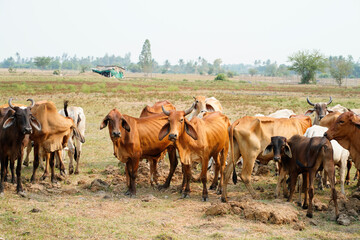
(35, 123)
(309, 112)
(268, 150)
(287, 150)
(210, 108)
(164, 131)
(125, 124)
(10, 121)
(356, 121)
(105, 122)
(190, 130)
(78, 135)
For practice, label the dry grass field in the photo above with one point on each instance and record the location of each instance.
(73, 209)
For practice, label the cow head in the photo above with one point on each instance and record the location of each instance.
(177, 124)
(114, 120)
(319, 108)
(22, 118)
(279, 147)
(344, 126)
(201, 106)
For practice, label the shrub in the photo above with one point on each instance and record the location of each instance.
(221, 77)
(173, 88)
(12, 70)
(230, 74)
(56, 72)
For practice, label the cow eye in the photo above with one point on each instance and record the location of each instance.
(181, 120)
(341, 122)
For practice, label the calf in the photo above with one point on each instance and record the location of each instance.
(198, 140)
(341, 155)
(74, 145)
(14, 135)
(304, 155)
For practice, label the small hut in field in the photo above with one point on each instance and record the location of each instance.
(110, 71)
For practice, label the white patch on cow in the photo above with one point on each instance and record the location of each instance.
(22, 107)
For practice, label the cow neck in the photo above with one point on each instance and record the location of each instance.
(354, 146)
(186, 142)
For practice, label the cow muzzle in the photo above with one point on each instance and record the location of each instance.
(116, 134)
(277, 159)
(27, 131)
(173, 137)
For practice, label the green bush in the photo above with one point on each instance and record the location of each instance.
(230, 74)
(56, 72)
(221, 77)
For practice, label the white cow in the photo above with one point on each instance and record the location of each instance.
(341, 155)
(74, 146)
(283, 113)
(203, 105)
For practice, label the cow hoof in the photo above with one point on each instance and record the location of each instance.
(185, 195)
(71, 171)
(223, 199)
(205, 199)
(212, 187)
(32, 180)
(26, 164)
(76, 172)
(161, 187)
(298, 203)
(305, 206)
(22, 193)
(347, 183)
(127, 193)
(327, 185)
(43, 177)
(309, 215)
(13, 181)
(2, 194)
(219, 192)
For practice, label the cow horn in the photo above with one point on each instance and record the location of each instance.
(194, 98)
(167, 113)
(32, 102)
(309, 102)
(329, 101)
(10, 104)
(187, 111)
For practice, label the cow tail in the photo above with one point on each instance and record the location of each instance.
(66, 102)
(234, 177)
(75, 154)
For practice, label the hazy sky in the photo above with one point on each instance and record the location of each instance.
(235, 31)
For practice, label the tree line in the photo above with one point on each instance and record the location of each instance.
(309, 65)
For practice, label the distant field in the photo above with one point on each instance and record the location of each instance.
(70, 210)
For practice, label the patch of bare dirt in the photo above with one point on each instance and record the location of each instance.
(274, 212)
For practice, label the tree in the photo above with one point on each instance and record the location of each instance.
(166, 67)
(145, 59)
(216, 65)
(307, 64)
(42, 62)
(340, 68)
(253, 71)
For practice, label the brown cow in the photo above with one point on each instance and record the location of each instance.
(198, 140)
(346, 130)
(16, 125)
(136, 138)
(251, 136)
(53, 137)
(304, 155)
(320, 110)
(156, 108)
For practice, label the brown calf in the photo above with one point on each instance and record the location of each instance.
(304, 155)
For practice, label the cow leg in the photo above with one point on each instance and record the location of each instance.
(203, 177)
(325, 179)
(248, 165)
(46, 170)
(3, 172)
(77, 155)
(19, 188)
(36, 162)
(228, 171)
(347, 178)
(216, 173)
(342, 177)
(311, 193)
(356, 176)
(293, 179)
(61, 162)
(304, 189)
(187, 173)
(71, 155)
(173, 164)
(153, 176)
(330, 169)
(132, 167)
(12, 168)
(223, 156)
(52, 166)
(281, 179)
(6, 163)
(320, 178)
(127, 193)
(28, 151)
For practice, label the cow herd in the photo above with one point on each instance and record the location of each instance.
(201, 133)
